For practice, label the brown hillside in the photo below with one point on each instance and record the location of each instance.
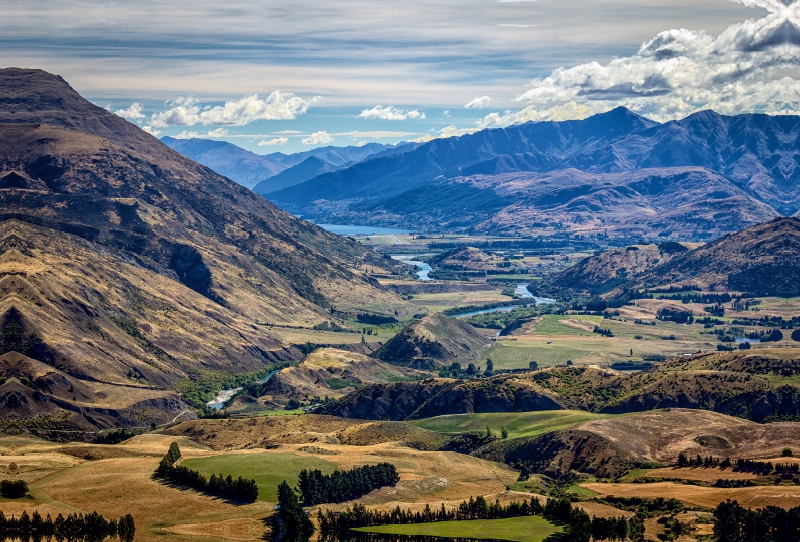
(123, 262)
(434, 341)
(761, 260)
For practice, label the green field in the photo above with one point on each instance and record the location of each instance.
(518, 424)
(523, 529)
(268, 470)
(551, 324)
(510, 356)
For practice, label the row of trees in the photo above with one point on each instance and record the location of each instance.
(340, 486)
(748, 465)
(239, 489)
(291, 512)
(73, 528)
(734, 523)
(580, 528)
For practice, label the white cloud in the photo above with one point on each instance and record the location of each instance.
(317, 138)
(133, 113)
(361, 143)
(186, 134)
(479, 103)
(152, 131)
(218, 132)
(446, 113)
(189, 112)
(390, 113)
(273, 142)
(750, 67)
(447, 131)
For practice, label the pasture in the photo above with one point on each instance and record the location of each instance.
(268, 470)
(522, 529)
(518, 424)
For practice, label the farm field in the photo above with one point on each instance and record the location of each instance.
(268, 470)
(518, 424)
(523, 529)
(707, 497)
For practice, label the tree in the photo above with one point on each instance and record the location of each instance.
(472, 369)
(489, 368)
(786, 452)
(504, 432)
(292, 513)
(533, 365)
(488, 432)
(796, 335)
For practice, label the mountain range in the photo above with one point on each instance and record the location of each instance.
(612, 173)
(259, 171)
(126, 268)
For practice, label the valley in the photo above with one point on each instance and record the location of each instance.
(163, 327)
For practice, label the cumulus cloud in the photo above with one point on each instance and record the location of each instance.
(152, 131)
(218, 132)
(273, 142)
(317, 138)
(447, 131)
(390, 113)
(133, 113)
(750, 67)
(479, 103)
(189, 112)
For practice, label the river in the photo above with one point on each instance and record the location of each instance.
(424, 268)
(353, 229)
(522, 291)
(225, 395)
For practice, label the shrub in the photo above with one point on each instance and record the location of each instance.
(13, 489)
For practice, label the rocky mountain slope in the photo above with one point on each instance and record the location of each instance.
(123, 262)
(616, 172)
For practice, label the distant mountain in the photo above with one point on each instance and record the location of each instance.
(339, 156)
(760, 260)
(616, 173)
(235, 163)
(126, 268)
(307, 169)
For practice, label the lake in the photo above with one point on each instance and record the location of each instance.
(352, 229)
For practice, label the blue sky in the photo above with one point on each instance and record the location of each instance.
(288, 76)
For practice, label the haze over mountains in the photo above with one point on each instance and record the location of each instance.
(259, 172)
(615, 173)
(126, 267)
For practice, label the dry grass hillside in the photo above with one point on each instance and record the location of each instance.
(124, 263)
(333, 373)
(435, 341)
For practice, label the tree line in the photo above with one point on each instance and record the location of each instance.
(375, 319)
(341, 486)
(239, 489)
(73, 528)
(734, 523)
(580, 528)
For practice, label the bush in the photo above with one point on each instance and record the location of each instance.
(13, 489)
(796, 335)
(786, 452)
(292, 404)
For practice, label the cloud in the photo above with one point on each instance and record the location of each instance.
(152, 131)
(133, 113)
(479, 103)
(317, 138)
(390, 113)
(189, 112)
(447, 131)
(749, 67)
(375, 134)
(186, 134)
(273, 142)
(218, 132)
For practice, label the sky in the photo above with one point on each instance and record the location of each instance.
(277, 76)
